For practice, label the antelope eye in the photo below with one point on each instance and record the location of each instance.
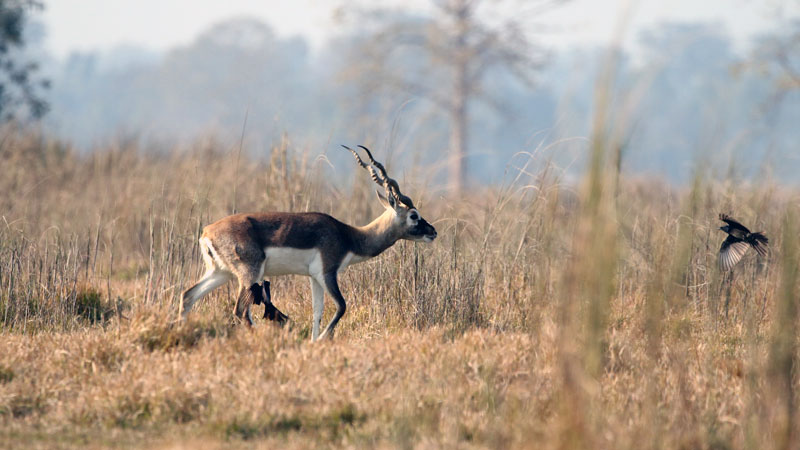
(414, 216)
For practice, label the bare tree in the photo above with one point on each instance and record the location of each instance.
(444, 57)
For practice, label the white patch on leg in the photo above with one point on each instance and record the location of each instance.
(210, 281)
(318, 305)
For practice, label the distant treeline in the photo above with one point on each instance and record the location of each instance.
(686, 100)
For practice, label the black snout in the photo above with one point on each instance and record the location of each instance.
(424, 229)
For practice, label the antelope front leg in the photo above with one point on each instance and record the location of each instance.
(332, 286)
(318, 305)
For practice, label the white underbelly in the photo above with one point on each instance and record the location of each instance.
(292, 261)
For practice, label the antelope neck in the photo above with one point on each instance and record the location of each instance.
(375, 237)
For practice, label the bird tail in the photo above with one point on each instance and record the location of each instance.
(759, 242)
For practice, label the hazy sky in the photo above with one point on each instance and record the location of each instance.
(161, 24)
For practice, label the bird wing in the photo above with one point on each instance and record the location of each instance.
(731, 252)
(759, 242)
(733, 222)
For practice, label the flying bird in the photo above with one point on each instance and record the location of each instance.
(738, 241)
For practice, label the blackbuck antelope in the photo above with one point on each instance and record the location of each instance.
(249, 247)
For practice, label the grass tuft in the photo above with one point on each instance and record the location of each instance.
(6, 374)
(182, 336)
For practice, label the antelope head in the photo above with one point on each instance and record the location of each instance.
(406, 219)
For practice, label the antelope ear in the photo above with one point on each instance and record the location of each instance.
(384, 201)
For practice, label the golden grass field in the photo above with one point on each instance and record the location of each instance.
(546, 314)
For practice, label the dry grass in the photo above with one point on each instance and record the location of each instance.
(544, 316)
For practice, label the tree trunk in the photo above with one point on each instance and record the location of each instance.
(461, 91)
(458, 145)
